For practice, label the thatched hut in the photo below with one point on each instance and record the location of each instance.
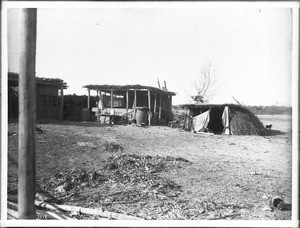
(225, 118)
(131, 100)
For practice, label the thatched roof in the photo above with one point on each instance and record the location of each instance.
(107, 88)
(242, 120)
(14, 77)
(207, 106)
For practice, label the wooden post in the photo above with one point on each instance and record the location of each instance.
(135, 99)
(160, 104)
(158, 83)
(154, 109)
(135, 103)
(127, 100)
(27, 116)
(127, 106)
(88, 101)
(98, 109)
(170, 108)
(111, 99)
(97, 101)
(149, 106)
(61, 115)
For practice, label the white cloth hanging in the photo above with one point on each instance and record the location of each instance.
(201, 121)
(225, 121)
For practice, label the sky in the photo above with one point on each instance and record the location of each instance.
(250, 49)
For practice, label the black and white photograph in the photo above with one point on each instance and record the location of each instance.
(149, 113)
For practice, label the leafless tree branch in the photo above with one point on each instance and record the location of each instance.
(205, 86)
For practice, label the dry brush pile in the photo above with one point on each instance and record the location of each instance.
(128, 184)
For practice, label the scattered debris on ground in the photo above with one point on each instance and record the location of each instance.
(113, 147)
(39, 130)
(124, 183)
(87, 144)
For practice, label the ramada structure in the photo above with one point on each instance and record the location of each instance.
(49, 97)
(127, 100)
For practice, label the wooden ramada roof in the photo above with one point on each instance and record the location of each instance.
(54, 82)
(107, 88)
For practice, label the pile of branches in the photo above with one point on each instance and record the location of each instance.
(125, 184)
(178, 116)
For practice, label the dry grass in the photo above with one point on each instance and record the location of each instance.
(243, 122)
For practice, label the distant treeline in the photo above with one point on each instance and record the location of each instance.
(270, 110)
(261, 110)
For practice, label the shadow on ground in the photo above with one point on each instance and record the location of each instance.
(268, 132)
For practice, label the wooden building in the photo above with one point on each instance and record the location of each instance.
(49, 97)
(126, 100)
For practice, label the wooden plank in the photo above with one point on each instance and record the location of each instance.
(27, 115)
(88, 211)
(40, 214)
(68, 208)
(12, 214)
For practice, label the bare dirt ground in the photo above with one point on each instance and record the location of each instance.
(160, 172)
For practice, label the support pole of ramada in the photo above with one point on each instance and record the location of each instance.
(27, 116)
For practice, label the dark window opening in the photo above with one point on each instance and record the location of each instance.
(215, 122)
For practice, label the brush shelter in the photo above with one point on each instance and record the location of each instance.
(221, 119)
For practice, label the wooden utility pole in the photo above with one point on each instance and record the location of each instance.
(27, 116)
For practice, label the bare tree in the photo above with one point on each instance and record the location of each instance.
(205, 86)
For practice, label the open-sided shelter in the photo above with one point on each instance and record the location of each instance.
(49, 97)
(226, 118)
(126, 100)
